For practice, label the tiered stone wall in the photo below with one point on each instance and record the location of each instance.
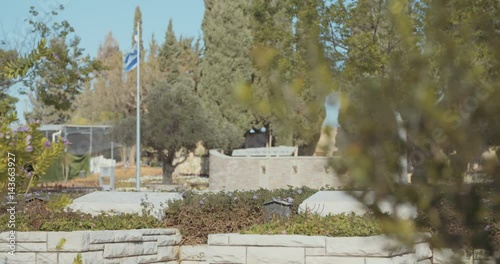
(162, 246)
(275, 249)
(106, 247)
(251, 173)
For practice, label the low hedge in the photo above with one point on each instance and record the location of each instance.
(342, 225)
(37, 216)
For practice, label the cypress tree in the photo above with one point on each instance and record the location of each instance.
(227, 62)
(286, 45)
(169, 51)
(138, 19)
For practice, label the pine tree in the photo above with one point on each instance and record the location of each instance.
(106, 102)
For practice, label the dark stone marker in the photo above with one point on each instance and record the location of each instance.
(276, 209)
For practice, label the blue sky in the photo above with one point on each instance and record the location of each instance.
(93, 19)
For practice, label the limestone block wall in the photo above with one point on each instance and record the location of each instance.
(162, 246)
(196, 254)
(106, 247)
(276, 249)
(251, 173)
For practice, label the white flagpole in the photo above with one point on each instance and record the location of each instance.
(138, 121)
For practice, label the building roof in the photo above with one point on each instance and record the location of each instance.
(61, 127)
(50, 127)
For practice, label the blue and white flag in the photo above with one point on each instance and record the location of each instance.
(130, 61)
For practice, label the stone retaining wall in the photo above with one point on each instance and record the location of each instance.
(162, 246)
(106, 247)
(276, 249)
(196, 254)
(251, 173)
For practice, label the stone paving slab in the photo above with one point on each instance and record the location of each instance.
(337, 202)
(123, 202)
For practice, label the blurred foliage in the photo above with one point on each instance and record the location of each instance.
(7, 102)
(78, 259)
(260, 53)
(437, 64)
(20, 66)
(286, 91)
(14, 67)
(27, 153)
(58, 205)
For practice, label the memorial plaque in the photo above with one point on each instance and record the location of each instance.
(265, 152)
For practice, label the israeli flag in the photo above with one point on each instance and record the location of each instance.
(130, 61)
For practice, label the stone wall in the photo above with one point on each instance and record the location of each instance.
(106, 247)
(251, 173)
(276, 249)
(193, 254)
(162, 246)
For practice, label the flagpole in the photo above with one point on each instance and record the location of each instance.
(138, 121)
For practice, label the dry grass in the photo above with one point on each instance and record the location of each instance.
(121, 173)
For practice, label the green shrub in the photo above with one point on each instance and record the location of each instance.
(27, 154)
(462, 230)
(342, 225)
(35, 216)
(199, 215)
(58, 205)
